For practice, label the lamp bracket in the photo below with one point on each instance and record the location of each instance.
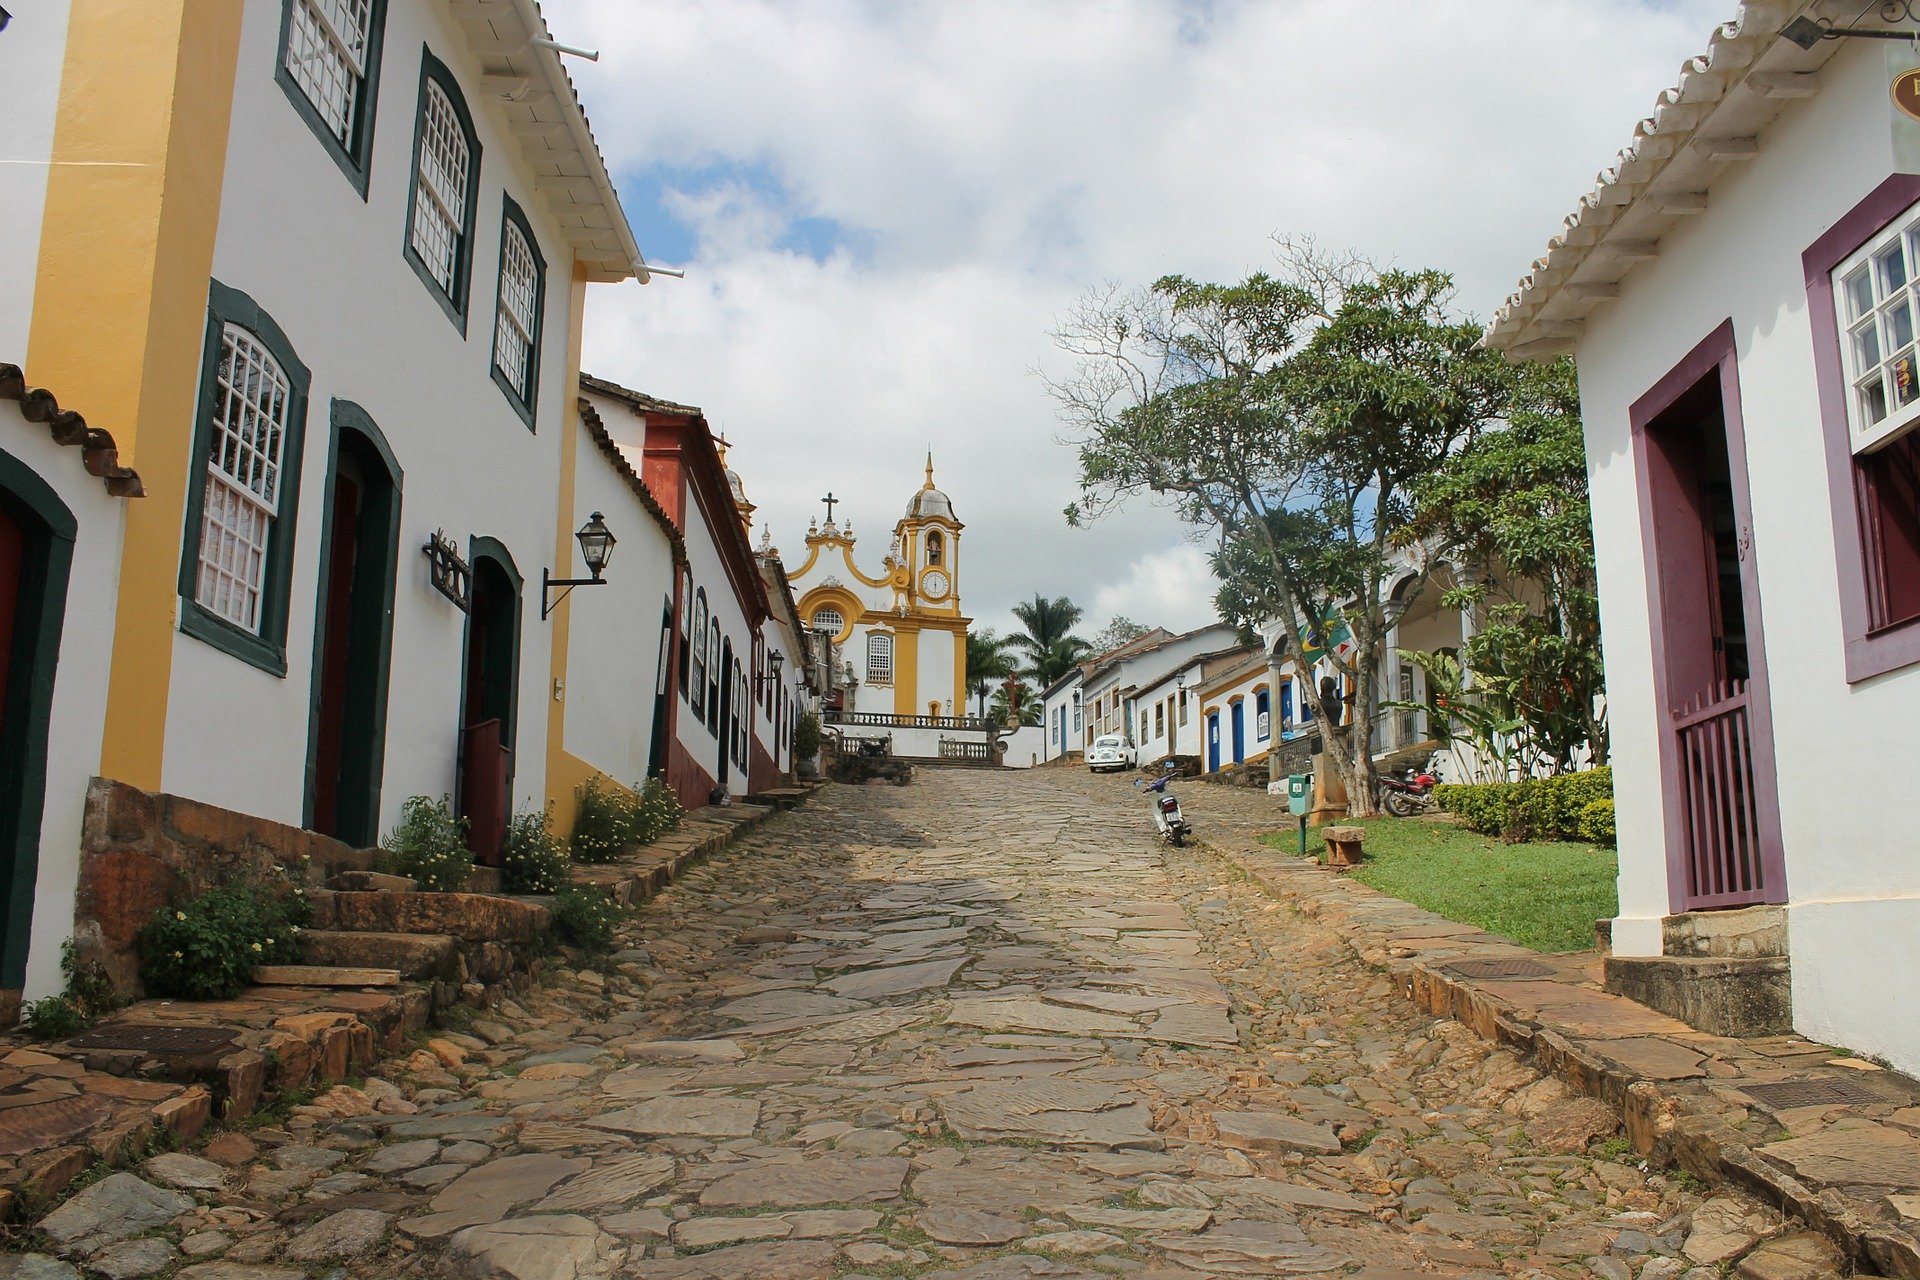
(548, 582)
(1808, 32)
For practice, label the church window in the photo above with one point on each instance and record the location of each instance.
(936, 548)
(446, 162)
(239, 547)
(329, 68)
(698, 685)
(518, 302)
(830, 621)
(879, 658)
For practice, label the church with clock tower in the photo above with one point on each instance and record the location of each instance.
(898, 631)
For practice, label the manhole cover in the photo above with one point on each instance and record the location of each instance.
(1784, 1094)
(154, 1037)
(1501, 969)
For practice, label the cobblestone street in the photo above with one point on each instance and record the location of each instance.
(980, 1026)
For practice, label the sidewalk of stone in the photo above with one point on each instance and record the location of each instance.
(170, 1067)
(1829, 1138)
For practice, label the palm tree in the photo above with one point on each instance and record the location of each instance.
(987, 663)
(1046, 637)
(1026, 704)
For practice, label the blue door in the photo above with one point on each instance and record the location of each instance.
(1213, 742)
(1239, 731)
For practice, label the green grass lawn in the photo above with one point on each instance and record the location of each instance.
(1545, 895)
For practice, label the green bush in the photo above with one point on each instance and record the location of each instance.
(1532, 808)
(88, 994)
(586, 918)
(1596, 822)
(208, 947)
(532, 859)
(430, 845)
(806, 735)
(608, 819)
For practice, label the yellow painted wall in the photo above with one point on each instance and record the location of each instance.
(120, 302)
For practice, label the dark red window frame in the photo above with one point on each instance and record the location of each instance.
(1877, 550)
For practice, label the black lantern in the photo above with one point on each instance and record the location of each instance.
(775, 660)
(596, 548)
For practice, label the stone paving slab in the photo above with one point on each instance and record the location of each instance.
(1833, 1166)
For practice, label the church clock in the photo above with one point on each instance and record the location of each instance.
(933, 584)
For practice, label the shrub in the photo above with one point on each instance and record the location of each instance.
(430, 845)
(599, 823)
(609, 819)
(88, 994)
(1596, 822)
(54, 1018)
(532, 859)
(656, 811)
(806, 735)
(208, 947)
(1532, 808)
(585, 917)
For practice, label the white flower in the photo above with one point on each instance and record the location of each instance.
(269, 942)
(179, 956)
(256, 946)
(179, 915)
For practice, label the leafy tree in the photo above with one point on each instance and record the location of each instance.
(1121, 630)
(988, 662)
(1287, 418)
(1046, 638)
(1025, 703)
(1517, 498)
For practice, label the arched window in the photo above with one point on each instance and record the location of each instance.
(936, 547)
(879, 658)
(715, 675)
(520, 298)
(830, 621)
(446, 161)
(686, 630)
(1262, 714)
(698, 690)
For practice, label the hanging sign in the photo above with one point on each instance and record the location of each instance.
(1903, 89)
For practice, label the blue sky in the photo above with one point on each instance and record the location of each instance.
(884, 208)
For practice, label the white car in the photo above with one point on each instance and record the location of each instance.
(1111, 752)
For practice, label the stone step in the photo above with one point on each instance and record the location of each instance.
(415, 955)
(470, 917)
(374, 881)
(323, 975)
(1737, 933)
(1721, 996)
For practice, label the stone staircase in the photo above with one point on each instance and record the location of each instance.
(1724, 972)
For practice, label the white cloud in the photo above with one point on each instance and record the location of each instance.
(988, 161)
(1170, 588)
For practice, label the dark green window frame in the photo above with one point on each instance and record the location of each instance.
(355, 156)
(454, 303)
(511, 215)
(268, 649)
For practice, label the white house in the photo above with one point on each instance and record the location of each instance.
(1114, 682)
(320, 271)
(1739, 293)
(1060, 716)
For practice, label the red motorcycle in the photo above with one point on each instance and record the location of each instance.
(1408, 796)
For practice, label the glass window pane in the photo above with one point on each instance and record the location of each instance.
(1899, 324)
(1890, 267)
(1873, 399)
(1904, 377)
(1859, 291)
(1866, 347)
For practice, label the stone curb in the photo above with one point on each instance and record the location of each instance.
(1666, 1126)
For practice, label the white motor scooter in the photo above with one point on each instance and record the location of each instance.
(1165, 808)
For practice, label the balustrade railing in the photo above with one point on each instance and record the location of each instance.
(879, 720)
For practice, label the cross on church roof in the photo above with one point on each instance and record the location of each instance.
(830, 500)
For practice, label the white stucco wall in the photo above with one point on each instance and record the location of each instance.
(79, 708)
(709, 572)
(32, 53)
(328, 267)
(613, 640)
(1852, 859)
(1063, 736)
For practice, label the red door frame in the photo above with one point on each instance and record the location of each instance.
(1715, 356)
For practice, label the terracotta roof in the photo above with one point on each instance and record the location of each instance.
(1232, 664)
(98, 453)
(638, 399)
(1708, 122)
(590, 418)
(529, 88)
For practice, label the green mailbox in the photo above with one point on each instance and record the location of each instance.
(1297, 789)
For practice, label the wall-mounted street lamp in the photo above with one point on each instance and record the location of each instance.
(776, 660)
(596, 549)
(1808, 32)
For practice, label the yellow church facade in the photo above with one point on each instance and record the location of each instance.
(899, 636)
